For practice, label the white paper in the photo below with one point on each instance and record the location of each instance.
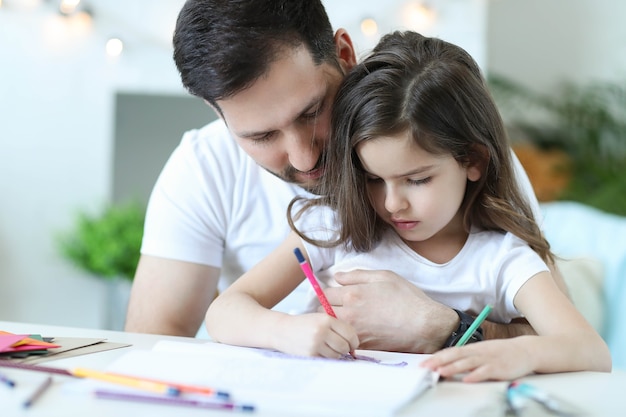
(278, 383)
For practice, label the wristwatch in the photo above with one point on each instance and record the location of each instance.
(465, 322)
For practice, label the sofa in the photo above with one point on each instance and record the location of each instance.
(591, 249)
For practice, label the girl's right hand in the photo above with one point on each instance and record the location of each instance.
(315, 334)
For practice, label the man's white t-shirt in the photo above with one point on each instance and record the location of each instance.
(213, 205)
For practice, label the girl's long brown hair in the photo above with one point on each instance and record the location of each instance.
(435, 90)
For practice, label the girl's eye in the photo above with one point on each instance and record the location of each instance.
(421, 181)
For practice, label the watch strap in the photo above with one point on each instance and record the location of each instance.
(465, 321)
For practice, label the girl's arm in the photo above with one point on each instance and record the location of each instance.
(242, 314)
(565, 341)
(520, 327)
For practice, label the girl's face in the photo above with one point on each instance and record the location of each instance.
(418, 193)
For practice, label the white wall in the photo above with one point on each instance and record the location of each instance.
(56, 114)
(56, 110)
(544, 42)
(459, 21)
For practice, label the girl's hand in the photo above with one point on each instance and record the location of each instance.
(488, 360)
(315, 334)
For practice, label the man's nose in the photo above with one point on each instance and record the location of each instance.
(303, 149)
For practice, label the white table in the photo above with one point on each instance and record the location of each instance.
(599, 394)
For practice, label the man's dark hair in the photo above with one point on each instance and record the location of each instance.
(222, 46)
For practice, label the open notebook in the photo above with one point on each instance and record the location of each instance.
(376, 384)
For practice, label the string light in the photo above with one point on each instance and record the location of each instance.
(68, 7)
(369, 27)
(418, 16)
(114, 47)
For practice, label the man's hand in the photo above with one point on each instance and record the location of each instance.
(390, 313)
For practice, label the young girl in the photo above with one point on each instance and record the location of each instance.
(419, 182)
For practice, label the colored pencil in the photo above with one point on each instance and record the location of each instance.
(475, 324)
(129, 381)
(191, 389)
(174, 386)
(5, 363)
(167, 400)
(38, 392)
(5, 380)
(308, 272)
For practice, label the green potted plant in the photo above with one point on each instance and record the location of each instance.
(107, 245)
(586, 122)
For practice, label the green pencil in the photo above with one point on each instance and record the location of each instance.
(475, 324)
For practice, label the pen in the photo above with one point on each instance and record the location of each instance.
(38, 392)
(129, 381)
(306, 268)
(7, 381)
(475, 324)
(146, 398)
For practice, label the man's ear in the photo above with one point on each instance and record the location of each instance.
(345, 50)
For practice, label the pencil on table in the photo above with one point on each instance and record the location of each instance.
(146, 385)
(38, 392)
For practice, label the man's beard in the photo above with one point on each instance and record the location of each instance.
(289, 175)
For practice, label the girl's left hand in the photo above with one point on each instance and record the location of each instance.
(481, 361)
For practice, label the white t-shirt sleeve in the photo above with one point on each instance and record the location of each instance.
(517, 264)
(187, 215)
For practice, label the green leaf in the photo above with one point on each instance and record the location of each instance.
(108, 244)
(588, 122)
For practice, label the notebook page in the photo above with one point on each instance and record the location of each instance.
(284, 385)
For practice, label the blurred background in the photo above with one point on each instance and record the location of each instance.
(91, 106)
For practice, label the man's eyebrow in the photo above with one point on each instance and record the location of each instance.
(315, 101)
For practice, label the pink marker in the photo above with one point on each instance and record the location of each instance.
(306, 268)
(316, 286)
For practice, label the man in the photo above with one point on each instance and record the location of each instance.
(270, 70)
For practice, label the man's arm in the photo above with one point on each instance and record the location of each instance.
(170, 297)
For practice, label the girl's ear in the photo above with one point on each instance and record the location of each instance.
(479, 158)
(474, 173)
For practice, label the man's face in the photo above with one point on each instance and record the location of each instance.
(283, 119)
